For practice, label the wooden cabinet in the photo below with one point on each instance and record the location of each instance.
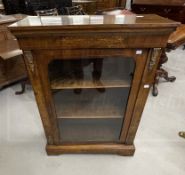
(171, 9)
(91, 76)
(12, 68)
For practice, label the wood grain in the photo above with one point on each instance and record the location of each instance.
(147, 79)
(140, 65)
(120, 149)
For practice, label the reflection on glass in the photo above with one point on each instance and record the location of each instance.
(77, 20)
(90, 97)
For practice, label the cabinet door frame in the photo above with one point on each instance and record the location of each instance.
(140, 56)
(41, 59)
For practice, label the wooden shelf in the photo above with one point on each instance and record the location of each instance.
(76, 84)
(91, 103)
(71, 74)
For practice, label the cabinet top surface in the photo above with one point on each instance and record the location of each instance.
(93, 21)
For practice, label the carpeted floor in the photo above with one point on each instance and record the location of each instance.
(159, 149)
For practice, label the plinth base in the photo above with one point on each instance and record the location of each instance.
(120, 149)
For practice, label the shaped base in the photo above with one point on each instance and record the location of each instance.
(120, 149)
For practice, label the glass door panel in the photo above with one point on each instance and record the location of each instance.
(90, 97)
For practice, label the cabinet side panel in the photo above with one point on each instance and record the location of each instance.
(147, 80)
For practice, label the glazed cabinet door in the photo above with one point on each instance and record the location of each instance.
(93, 96)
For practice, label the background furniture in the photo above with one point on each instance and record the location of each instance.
(12, 68)
(47, 12)
(91, 84)
(35, 5)
(75, 10)
(171, 9)
(29, 6)
(1, 8)
(175, 40)
(105, 4)
(89, 6)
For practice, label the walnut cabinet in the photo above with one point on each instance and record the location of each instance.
(91, 76)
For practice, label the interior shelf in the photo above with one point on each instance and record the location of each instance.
(91, 73)
(91, 103)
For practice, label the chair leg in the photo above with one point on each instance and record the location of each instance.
(155, 90)
(164, 74)
(161, 73)
(23, 87)
(155, 84)
(184, 47)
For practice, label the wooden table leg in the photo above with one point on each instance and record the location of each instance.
(161, 73)
(23, 87)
